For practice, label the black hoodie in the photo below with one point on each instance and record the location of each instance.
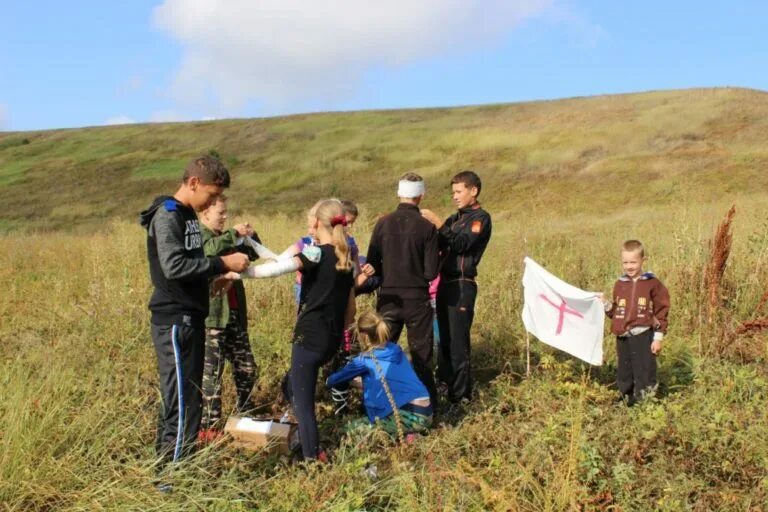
(178, 266)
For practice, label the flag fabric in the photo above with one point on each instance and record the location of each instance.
(561, 315)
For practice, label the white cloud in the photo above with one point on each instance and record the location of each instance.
(282, 51)
(3, 116)
(119, 120)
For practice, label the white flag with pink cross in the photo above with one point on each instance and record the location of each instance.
(561, 315)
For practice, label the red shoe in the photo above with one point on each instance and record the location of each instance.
(208, 436)
(323, 457)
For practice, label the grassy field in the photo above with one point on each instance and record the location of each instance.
(566, 182)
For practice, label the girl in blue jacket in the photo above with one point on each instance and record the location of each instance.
(393, 396)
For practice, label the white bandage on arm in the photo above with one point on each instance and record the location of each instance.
(410, 189)
(272, 269)
(658, 336)
(262, 251)
(288, 253)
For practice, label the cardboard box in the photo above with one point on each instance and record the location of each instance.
(269, 435)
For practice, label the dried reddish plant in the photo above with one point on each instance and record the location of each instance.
(751, 326)
(720, 249)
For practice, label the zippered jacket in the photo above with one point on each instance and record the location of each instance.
(463, 239)
(390, 364)
(643, 302)
(218, 311)
(178, 266)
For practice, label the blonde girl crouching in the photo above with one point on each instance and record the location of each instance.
(394, 397)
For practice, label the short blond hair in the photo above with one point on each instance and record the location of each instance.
(632, 246)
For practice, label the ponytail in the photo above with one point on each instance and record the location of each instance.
(374, 327)
(330, 217)
(341, 249)
(382, 330)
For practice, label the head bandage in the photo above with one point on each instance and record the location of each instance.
(410, 189)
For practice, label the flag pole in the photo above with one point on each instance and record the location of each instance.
(527, 354)
(527, 334)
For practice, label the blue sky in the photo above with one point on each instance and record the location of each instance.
(65, 64)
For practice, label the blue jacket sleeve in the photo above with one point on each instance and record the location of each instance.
(354, 368)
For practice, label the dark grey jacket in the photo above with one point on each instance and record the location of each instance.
(178, 266)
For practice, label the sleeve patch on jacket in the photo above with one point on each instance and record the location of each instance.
(477, 226)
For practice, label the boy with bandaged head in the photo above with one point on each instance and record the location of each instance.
(403, 251)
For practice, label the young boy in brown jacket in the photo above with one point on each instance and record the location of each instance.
(638, 310)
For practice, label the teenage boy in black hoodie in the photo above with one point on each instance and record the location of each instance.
(180, 273)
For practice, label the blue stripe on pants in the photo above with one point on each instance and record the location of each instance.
(180, 393)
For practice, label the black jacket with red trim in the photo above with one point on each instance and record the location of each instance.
(463, 239)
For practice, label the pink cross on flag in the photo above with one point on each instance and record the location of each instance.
(561, 315)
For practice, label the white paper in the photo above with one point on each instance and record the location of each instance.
(254, 426)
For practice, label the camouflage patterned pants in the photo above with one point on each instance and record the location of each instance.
(230, 343)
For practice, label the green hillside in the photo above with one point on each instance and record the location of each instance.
(658, 147)
(565, 181)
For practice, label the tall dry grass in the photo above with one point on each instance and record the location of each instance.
(79, 392)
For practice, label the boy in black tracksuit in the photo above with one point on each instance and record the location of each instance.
(463, 238)
(179, 304)
(403, 251)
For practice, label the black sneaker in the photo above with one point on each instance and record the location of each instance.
(164, 488)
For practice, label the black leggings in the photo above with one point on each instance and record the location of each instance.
(299, 388)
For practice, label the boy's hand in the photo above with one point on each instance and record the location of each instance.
(656, 347)
(243, 229)
(221, 284)
(432, 217)
(236, 261)
(368, 270)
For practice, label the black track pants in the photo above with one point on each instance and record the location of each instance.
(179, 350)
(455, 313)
